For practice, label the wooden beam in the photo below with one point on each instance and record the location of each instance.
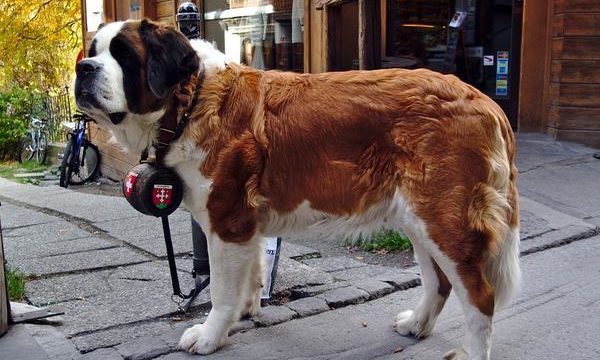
(4, 304)
(307, 36)
(363, 46)
(533, 56)
(369, 34)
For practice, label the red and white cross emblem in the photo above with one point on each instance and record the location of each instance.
(161, 195)
(129, 182)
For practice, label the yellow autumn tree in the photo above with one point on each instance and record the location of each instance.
(39, 42)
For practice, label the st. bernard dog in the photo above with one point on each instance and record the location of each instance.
(272, 153)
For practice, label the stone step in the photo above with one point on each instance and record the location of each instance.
(30, 175)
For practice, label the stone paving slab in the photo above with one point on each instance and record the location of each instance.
(53, 342)
(80, 205)
(308, 306)
(365, 272)
(47, 233)
(118, 335)
(334, 263)
(182, 243)
(272, 315)
(102, 354)
(557, 238)
(87, 260)
(136, 293)
(308, 291)
(532, 225)
(18, 343)
(13, 216)
(374, 288)
(293, 274)
(537, 214)
(145, 225)
(145, 348)
(344, 296)
(43, 292)
(147, 233)
(291, 250)
(21, 249)
(555, 186)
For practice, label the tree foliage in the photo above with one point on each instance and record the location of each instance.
(39, 43)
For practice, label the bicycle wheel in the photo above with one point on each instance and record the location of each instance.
(42, 148)
(65, 165)
(88, 164)
(26, 148)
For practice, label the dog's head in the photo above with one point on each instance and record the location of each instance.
(131, 70)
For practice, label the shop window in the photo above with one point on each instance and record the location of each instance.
(264, 34)
(94, 15)
(416, 33)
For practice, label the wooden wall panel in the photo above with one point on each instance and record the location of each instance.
(587, 95)
(563, 6)
(165, 11)
(589, 138)
(578, 24)
(574, 95)
(578, 48)
(571, 118)
(572, 71)
(164, 8)
(114, 162)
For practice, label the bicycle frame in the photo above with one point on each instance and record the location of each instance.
(77, 139)
(35, 134)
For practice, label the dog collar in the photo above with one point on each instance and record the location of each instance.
(170, 129)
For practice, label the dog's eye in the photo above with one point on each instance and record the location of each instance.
(124, 54)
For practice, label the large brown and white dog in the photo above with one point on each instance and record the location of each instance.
(268, 153)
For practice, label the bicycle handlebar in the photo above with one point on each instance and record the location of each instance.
(82, 117)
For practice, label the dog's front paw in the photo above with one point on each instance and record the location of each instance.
(405, 323)
(199, 340)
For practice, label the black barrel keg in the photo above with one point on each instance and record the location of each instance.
(153, 190)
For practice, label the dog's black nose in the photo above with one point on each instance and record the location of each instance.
(86, 66)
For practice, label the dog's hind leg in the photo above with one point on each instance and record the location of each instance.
(420, 322)
(477, 300)
(230, 270)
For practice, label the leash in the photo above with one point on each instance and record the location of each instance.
(200, 285)
(156, 172)
(168, 134)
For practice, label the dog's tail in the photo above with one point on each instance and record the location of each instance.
(494, 212)
(504, 271)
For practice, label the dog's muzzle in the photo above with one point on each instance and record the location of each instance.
(87, 71)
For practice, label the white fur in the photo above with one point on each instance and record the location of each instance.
(137, 132)
(420, 322)
(307, 221)
(212, 59)
(230, 266)
(504, 270)
(109, 82)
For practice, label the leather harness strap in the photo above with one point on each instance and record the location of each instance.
(170, 129)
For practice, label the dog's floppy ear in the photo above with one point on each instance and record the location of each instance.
(171, 59)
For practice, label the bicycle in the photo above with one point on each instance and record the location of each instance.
(35, 143)
(81, 159)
